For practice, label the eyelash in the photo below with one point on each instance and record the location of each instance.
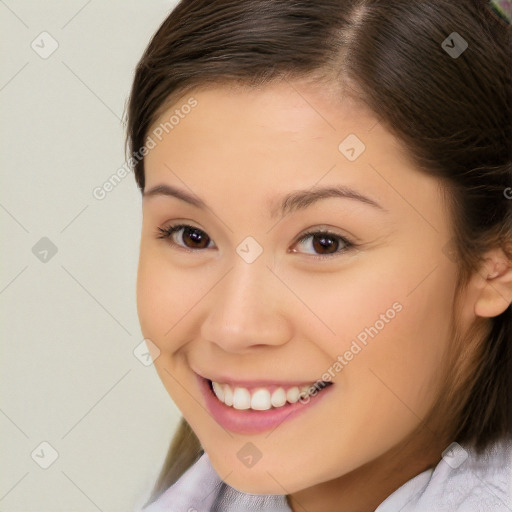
(167, 232)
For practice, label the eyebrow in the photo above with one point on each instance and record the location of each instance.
(296, 200)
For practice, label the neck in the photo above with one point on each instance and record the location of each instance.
(365, 488)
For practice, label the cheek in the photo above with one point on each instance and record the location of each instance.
(161, 297)
(389, 324)
(348, 305)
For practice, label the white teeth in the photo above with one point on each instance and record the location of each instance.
(278, 398)
(260, 399)
(292, 395)
(219, 391)
(228, 395)
(241, 398)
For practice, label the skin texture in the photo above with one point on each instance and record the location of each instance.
(289, 315)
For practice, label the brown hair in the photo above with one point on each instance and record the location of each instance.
(452, 112)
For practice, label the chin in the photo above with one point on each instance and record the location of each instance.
(252, 481)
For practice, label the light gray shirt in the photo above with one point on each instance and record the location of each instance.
(460, 482)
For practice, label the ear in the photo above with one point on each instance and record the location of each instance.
(493, 284)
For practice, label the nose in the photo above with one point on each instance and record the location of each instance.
(247, 309)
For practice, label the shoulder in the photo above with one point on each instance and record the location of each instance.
(462, 481)
(194, 491)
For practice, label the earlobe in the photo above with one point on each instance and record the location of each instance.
(495, 294)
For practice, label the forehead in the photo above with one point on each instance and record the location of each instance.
(279, 125)
(265, 142)
(281, 106)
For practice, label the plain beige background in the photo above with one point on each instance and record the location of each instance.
(69, 327)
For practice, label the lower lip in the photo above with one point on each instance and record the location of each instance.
(249, 421)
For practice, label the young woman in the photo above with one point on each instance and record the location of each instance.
(325, 272)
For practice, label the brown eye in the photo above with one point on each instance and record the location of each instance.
(190, 237)
(324, 243)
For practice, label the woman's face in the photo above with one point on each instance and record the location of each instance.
(238, 298)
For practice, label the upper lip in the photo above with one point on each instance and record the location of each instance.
(224, 379)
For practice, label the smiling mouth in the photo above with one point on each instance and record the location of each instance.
(263, 398)
(263, 405)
